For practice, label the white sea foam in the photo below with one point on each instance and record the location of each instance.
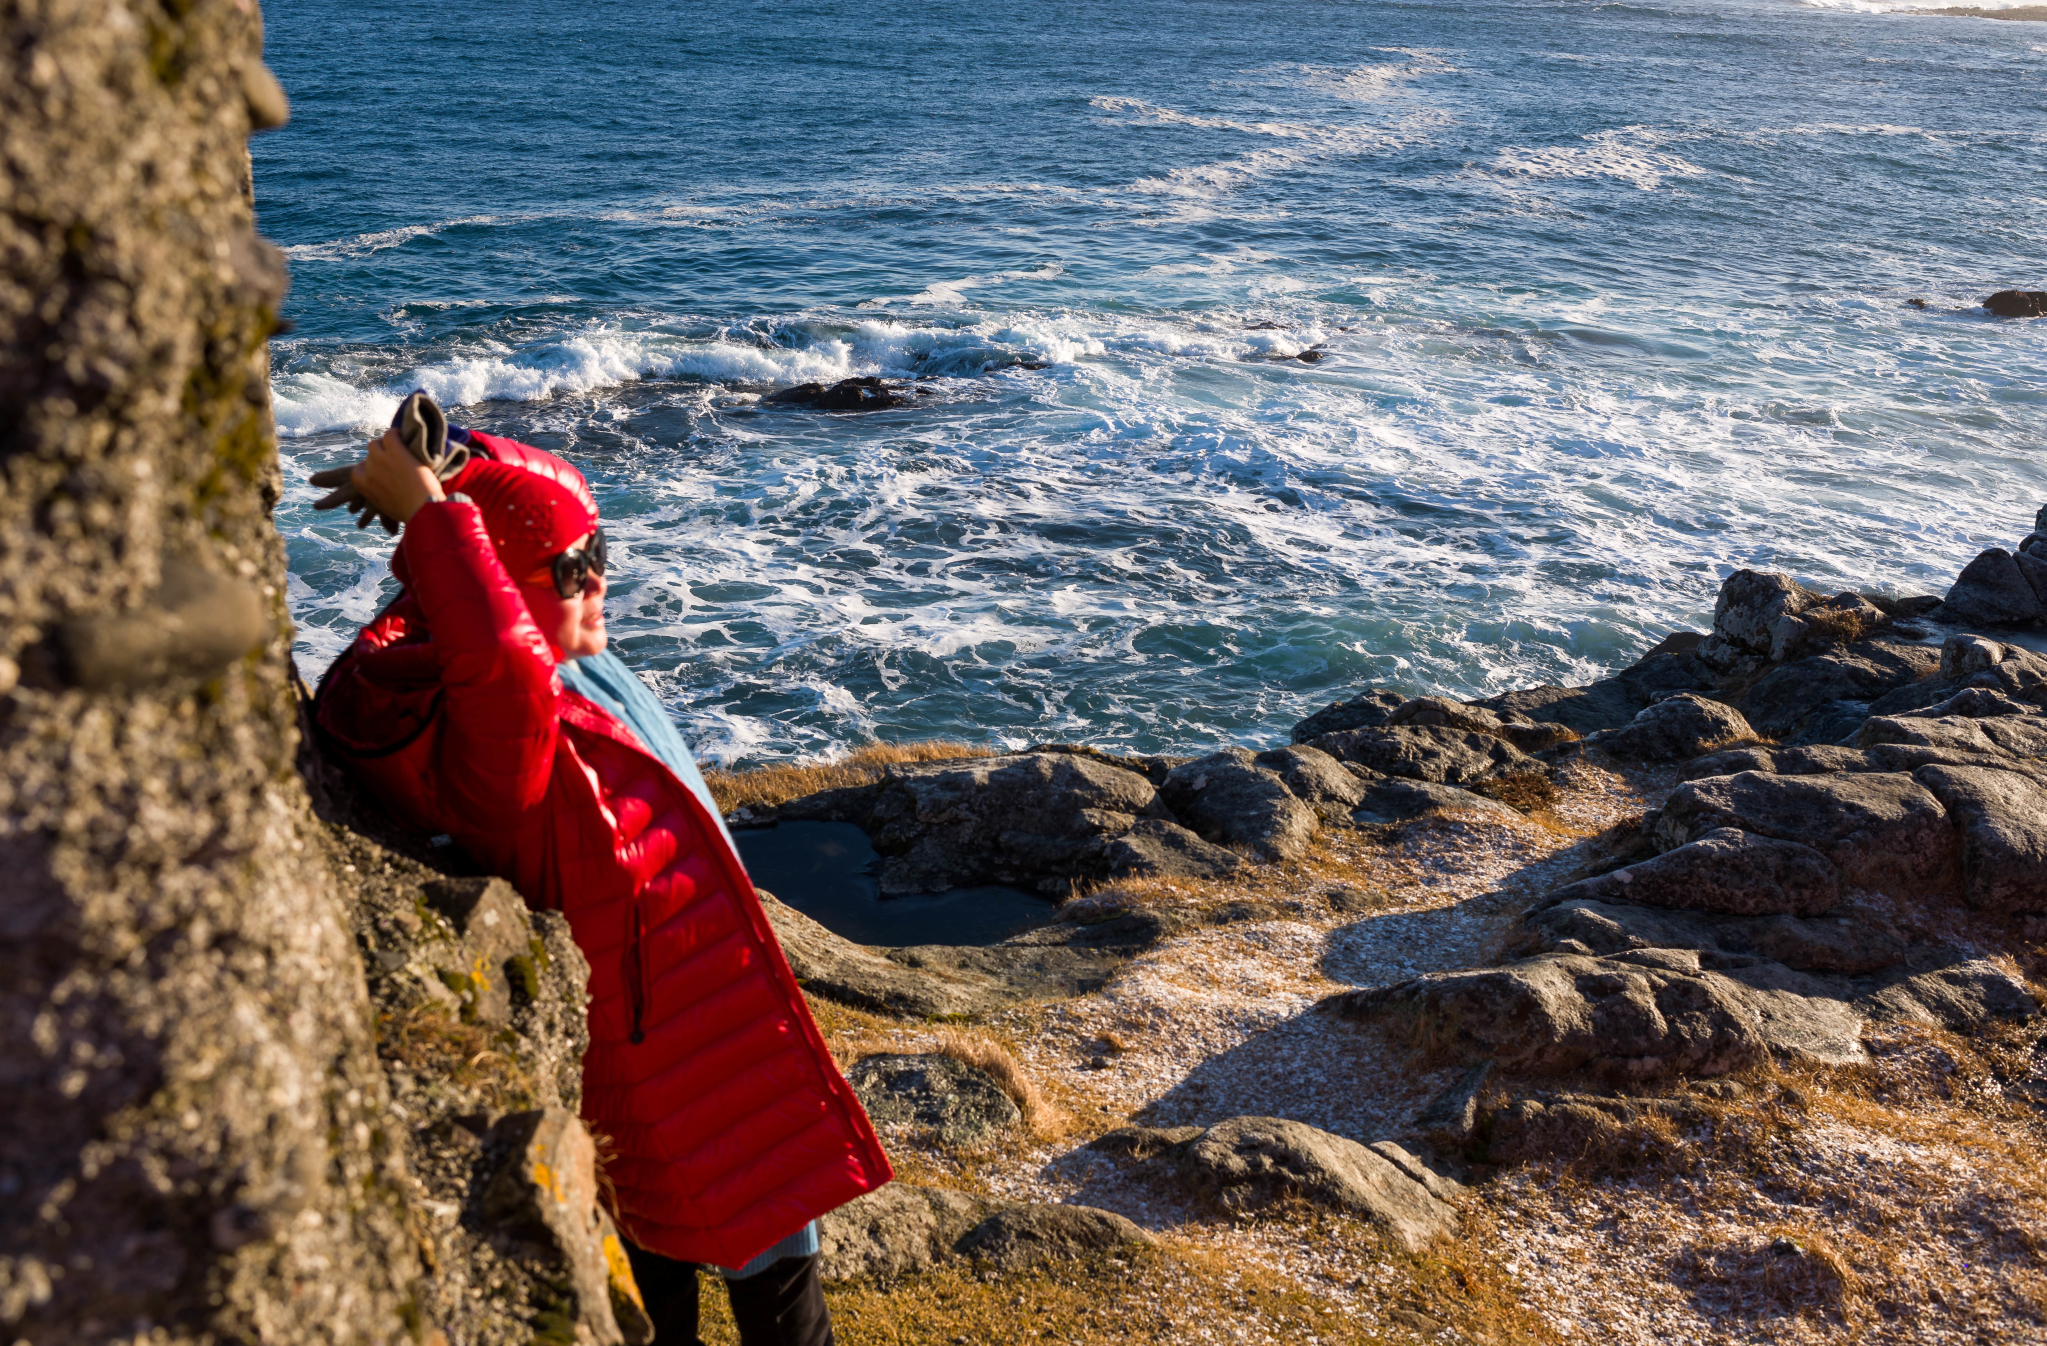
(1629, 153)
(362, 245)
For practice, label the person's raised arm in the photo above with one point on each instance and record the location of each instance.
(497, 671)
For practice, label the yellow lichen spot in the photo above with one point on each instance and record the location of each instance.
(622, 1282)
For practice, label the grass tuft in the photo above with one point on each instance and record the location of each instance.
(767, 786)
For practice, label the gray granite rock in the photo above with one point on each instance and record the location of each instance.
(1817, 759)
(1678, 727)
(1432, 753)
(1991, 591)
(1247, 1162)
(957, 1103)
(2002, 816)
(1232, 800)
(1366, 710)
(1882, 830)
(1847, 945)
(1723, 870)
(1025, 1236)
(895, 1232)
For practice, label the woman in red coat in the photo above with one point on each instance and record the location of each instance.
(730, 1127)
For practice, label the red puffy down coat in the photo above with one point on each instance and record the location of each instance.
(729, 1123)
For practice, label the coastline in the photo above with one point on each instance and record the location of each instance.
(1809, 1138)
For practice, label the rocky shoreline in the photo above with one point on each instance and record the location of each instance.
(1386, 975)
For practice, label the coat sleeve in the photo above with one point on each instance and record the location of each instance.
(499, 730)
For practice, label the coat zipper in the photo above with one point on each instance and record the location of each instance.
(636, 972)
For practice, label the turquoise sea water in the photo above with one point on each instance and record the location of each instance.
(1609, 299)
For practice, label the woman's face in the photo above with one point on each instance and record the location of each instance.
(574, 626)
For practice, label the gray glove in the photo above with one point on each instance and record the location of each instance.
(423, 429)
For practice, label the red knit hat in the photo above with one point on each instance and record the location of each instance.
(531, 518)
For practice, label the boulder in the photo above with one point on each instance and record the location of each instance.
(1437, 1184)
(2017, 304)
(1316, 779)
(1247, 1162)
(545, 1195)
(1785, 702)
(1837, 945)
(1962, 996)
(1392, 800)
(2009, 743)
(1367, 710)
(1679, 726)
(2034, 567)
(2003, 821)
(1724, 870)
(1609, 703)
(1973, 703)
(1750, 604)
(496, 944)
(1432, 753)
(894, 1232)
(1817, 759)
(1230, 799)
(1882, 830)
(1642, 1014)
(1839, 620)
(1965, 656)
(1025, 1236)
(1039, 819)
(959, 1104)
(1154, 847)
(1991, 591)
(1528, 735)
(864, 394)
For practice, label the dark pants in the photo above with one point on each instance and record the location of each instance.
(782, 1306)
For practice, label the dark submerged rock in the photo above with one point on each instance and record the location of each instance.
(2017, 304)
(865, 394)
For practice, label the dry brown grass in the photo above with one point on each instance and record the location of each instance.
(1179, 1290)
(986, 1054)
(434, 1043)
(767, 786)
(1527, 792)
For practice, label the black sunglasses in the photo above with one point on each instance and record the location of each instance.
(573, 568)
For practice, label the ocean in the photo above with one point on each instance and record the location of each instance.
(1601, 301)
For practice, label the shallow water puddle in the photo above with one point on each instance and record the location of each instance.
(828, 872)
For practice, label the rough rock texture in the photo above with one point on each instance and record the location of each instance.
(1230, 799)
(1526, 734)
(479, 1007)
(1037, 819)
(1821, 699)
(2003, 820)
(1679, 726)
(893, 1232)
(1027, 1235)
(1815, 760)
(935, 980)
(1991, 591)
(1636, 1015)
(1725, 870)
(1433, 753)
(2009, 743)
(960, 1104)
(1316, 779)
(1584, 1126)
(1367, 710)
(1396, 801)
(1751, 605)
(1882, 830)
(1246, 1162)
(196, 1140)
(1450, 1121)
(1155, 847)
(1845, 945)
